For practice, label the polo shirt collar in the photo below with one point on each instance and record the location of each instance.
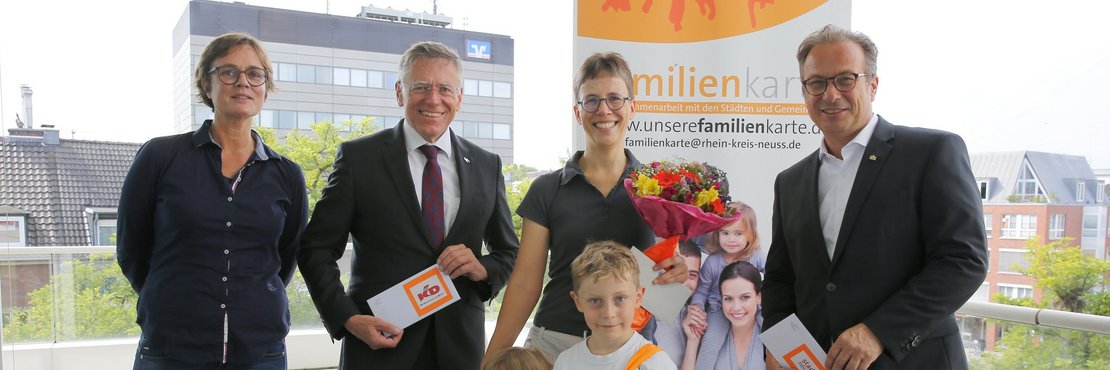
(572, 168)
(203, 135)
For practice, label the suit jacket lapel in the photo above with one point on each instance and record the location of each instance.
(812, 223)
(874, 156)
(466, 177)
(397, 162)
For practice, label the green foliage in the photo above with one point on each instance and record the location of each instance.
(516, 172)
(315, 152)
(1014, 198)
(1068, 278)
(514, 194)
(89, 300)
(1064, 273)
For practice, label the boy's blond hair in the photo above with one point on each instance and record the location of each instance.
(516, 358)
(605, 259)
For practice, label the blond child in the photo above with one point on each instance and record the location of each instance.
(737, 241)
(607, 291)
(517, 358)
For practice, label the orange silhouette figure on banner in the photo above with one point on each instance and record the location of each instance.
(615, 19)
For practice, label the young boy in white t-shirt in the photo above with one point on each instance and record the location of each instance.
(607, 292)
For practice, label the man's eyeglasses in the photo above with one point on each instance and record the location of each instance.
(614, 102)
(843, 82)
(230, 75)
(424, 89)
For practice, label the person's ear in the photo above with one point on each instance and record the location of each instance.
(577, 304)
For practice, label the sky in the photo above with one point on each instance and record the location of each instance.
(1005, 75)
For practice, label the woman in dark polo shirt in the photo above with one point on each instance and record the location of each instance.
(564, 210)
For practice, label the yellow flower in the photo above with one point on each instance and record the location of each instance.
(705, 197)
(647, 186)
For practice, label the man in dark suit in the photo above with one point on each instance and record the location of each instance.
(877, 236)
(412, 196)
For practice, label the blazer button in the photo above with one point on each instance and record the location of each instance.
(916, 341)
(830, 287)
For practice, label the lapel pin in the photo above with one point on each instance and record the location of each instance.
(873, 157)
(467, 160)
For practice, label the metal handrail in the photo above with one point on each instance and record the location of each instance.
(1038, 316)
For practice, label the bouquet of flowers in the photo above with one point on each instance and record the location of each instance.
(680, 199)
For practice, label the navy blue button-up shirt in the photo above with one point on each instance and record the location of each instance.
(204, 257)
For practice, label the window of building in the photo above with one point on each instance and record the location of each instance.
(343, 118)
(286, 120)
(266, 118)
(358, 77)
(485, 130)
(502, 131)
(389, 80)
(984, 190)
(982, 294)
(502, 90)
(323, 75)
(390, 121)
(1012, 260)
(287, 72)
(306, 73)
(1100, 192)
(1015, 291)
(1056, 226)
(1090, 225)
(1080, 191)
(341, 76)
(376, 79)
(485, 88)
(988, 223)
(470, 87)
(305, 120)
(1019, 226)
(470, 129)
(13, 230)
(1027, 183)
(321, 117)
(106, 232)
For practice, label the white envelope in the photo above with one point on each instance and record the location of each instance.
(793, 346)
(415, 298)
(663, 301)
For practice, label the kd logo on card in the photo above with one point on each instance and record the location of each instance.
(674, 21)
(428, 292)
(802, 358)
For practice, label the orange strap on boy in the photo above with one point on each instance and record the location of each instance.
(642, 355)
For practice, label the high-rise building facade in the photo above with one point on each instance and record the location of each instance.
(335, 68)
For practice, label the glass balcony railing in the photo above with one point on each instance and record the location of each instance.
(68, 307)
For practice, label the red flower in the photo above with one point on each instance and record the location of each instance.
(666, 179)
(694, 178)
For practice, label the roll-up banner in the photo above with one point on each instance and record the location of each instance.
(715, 82)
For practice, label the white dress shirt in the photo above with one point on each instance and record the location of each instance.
(451, 192)
(834, 182)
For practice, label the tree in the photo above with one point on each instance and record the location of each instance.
(516, 172)
(1068, 279)
(1065, 273)
(89, 300)
(315, 152)
(514, 194)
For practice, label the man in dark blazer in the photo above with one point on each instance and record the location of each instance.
(878, 236)
(379, 194)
